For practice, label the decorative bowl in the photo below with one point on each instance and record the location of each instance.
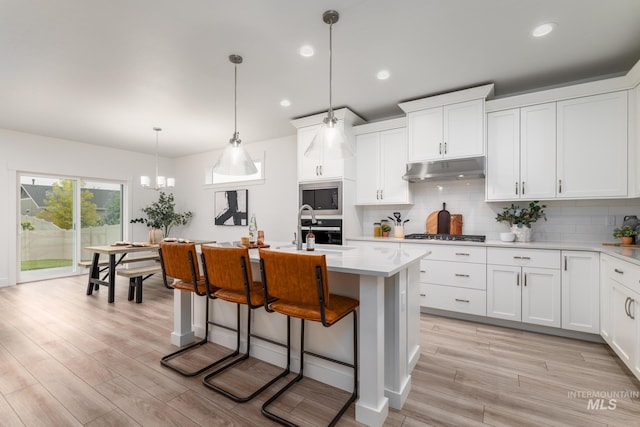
(507, 237)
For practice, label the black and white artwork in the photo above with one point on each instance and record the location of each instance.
(231, 207)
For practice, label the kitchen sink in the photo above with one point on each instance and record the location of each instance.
(326, 249)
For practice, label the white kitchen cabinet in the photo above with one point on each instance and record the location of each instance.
(581, 291)
(445, 132)
(521, 151)
(453, 278)
(317, 166)
(592, 146)
(524, 285)
(380, 164)
(621, 321)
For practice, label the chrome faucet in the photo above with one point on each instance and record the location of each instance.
(303, 208)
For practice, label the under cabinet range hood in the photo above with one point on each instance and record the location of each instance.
(445, 170)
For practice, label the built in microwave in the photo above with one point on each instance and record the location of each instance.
(324, 197)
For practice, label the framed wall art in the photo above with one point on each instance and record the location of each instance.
(231, 207)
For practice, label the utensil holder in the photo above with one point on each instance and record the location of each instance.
(398, 231)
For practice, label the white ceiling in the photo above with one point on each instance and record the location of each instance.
(107, 71)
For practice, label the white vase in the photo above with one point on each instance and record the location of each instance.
(155, 235)
(523, 234)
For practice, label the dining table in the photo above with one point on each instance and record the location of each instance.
(117, 253)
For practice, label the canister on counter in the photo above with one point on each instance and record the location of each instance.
(376, 229)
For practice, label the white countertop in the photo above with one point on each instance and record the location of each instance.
(372, 261)
(625, 253)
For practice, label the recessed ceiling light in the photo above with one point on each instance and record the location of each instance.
(285, 103)
(383, 74)
(543, 29)
(306, 51)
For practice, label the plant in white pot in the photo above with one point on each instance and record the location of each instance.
(520, 219)
(161, 215)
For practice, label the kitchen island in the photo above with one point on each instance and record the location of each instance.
(384, 280)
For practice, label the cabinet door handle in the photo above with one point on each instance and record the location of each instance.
(525, 279)
(423, 295)
(445, 148)
(461, 275)
(440, 148)
(559, 186)
(565, 263)
(521, 257)
(631, 301)
(522, 187)
(381, 195)
(321, 170)
(618, 271)
(462, 300)
(518, 279)
(516, 187)
(626, 306)
(423, 271)
(462, 254)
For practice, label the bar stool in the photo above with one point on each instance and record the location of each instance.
(179, 261)
(299, 284)
(227, 269)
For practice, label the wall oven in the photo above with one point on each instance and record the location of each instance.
(324, 197)
(327, 231)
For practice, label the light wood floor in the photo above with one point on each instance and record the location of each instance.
(68, 359)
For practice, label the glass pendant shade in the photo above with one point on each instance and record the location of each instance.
(235, 160)
(161, 181)
(331, 141)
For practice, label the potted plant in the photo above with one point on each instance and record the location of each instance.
(385, 228)
(161, 215)
(520, 219)
(625, 234)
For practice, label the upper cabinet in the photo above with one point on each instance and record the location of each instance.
(381, 162)
(592, 146)
(446, 126)
(570, 149)
(319, 166)
(521, 152)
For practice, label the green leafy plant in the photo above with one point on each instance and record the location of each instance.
(624, 231)
(385, 228)
(522, 217)
(162, 214)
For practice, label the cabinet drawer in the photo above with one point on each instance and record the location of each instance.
(444, 252)
(461, 300)
(621, 271)
(541, 258)
(464, 275)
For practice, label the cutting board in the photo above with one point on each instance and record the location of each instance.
(432, 223)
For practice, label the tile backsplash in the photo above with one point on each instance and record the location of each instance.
(567, 220)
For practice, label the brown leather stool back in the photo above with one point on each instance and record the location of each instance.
(175, 260)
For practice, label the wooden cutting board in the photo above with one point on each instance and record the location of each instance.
(432, 223)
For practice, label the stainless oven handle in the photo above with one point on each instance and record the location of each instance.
(321, 228)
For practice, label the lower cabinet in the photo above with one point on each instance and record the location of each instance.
(524, 286)
(620, 282)
(581, 291)
(454, 278)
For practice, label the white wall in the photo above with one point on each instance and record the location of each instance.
(273, 201)
(568, 221)
(26, 153)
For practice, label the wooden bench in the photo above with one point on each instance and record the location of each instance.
(136, 276)
(104, 263)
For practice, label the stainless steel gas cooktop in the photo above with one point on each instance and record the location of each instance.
(456, 237)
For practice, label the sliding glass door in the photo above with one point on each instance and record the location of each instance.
(59, 217)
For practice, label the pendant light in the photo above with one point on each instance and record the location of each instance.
(330, 138)
(161, 182)
(234, 159)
